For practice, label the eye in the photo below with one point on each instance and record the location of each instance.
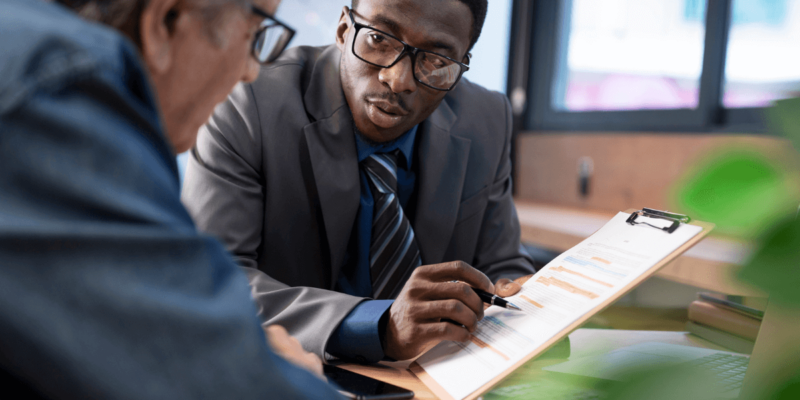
(435, 62)
(376, 37)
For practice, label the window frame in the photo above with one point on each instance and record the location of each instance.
(551, 20)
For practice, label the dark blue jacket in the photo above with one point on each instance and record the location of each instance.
(107, 290)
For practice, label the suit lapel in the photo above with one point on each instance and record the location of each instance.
(442, 165)
(332, 151)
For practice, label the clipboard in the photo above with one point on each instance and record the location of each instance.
(676, 219)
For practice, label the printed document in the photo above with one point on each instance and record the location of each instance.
(573, 284)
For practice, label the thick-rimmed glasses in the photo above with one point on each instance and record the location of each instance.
(383, 50)
(272, 37)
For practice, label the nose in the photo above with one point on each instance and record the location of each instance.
(399, 77)
(251, 70)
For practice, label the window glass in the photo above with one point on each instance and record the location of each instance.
(763, 59)
(182, 159)
(489, 65)
(629, 55)
(314, 21)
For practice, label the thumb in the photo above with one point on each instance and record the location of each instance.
(505, 287)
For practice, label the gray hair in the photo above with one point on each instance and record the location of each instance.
(125, 15)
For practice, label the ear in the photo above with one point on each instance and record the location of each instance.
(156, 28)
(343, 28)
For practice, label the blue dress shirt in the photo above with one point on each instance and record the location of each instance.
(358, 336)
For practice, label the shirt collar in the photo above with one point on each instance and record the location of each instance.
(405, 143)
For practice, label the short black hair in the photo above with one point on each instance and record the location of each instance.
(478, 9)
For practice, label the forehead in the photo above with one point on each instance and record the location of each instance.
(422, 23)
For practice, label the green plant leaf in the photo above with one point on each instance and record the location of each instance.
(775, 268)
(784, 118)
(740, 190)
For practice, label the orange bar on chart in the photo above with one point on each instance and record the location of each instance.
(568, 287)
(601, 260)
(484, 345)
(529, 300)
(562, 269)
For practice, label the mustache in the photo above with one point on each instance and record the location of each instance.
(388, 96)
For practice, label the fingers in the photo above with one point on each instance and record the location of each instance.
(279, 338)
(459, 292)
(428, 297)
(283, 343)
(290, 348)
(276, 330)
(505, 287)
(458, 271)
(430, 334)
(438, 331)
(452, 310)
(314, 364)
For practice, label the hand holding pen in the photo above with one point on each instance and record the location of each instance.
(493, 299)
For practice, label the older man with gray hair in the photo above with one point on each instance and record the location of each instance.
(107, 290)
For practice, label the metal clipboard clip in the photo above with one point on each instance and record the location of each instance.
(677, 219)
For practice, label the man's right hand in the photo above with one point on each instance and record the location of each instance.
(415, 319)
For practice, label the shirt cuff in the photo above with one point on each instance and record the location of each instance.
(358, 336)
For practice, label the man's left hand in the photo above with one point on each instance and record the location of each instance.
(290, 348)
(506, 287)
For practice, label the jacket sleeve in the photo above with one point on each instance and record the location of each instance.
(224, 192)
(499, 253)
(106, 288)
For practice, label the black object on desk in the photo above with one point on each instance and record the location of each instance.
(676, 219)
(360, 387)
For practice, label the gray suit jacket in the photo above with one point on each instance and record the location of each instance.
(275, 175)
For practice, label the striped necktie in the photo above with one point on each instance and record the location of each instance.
(393, 251)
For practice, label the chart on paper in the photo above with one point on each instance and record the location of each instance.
(570, 286)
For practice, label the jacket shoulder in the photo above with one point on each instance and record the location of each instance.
(471, 101)
(291, 70)
(479, 108)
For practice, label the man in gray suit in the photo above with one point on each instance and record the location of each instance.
(375, 174)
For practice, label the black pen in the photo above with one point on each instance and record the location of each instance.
(495, 300)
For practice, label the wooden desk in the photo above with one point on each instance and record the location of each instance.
(583, 342)
(395, 374)
(711, 265)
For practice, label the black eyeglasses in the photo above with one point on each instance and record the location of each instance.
(383, 50)
(272, 37)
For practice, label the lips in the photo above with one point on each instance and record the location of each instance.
(389, 108)
(384, 114)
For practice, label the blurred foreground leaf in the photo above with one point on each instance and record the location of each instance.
(775, 267)
(791, 391)
(784, 119)
(667, 383)
(742, 191)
